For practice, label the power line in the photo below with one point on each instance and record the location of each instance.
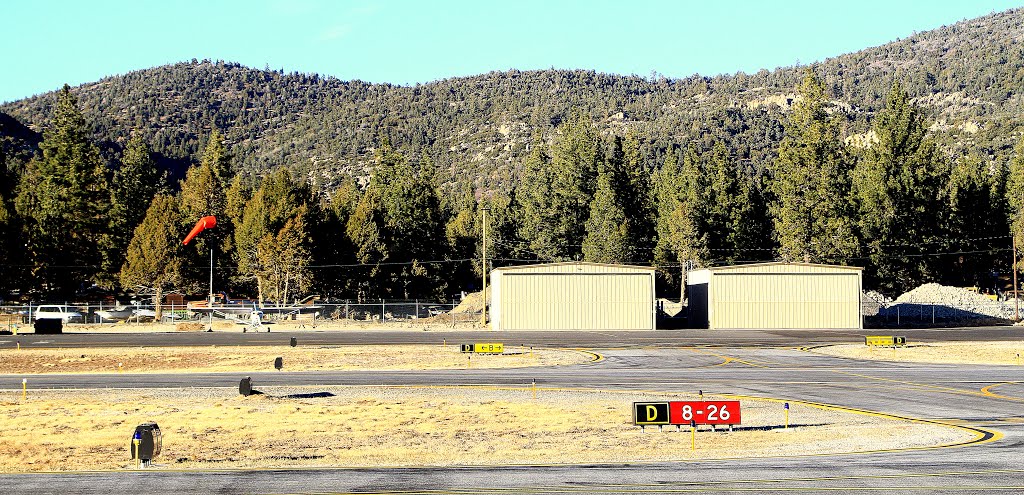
(544, 258)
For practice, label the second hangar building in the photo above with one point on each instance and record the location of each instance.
(775, 296)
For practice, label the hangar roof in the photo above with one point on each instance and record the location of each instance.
(575, 267)
(783, 267)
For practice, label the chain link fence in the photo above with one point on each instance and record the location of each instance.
(939, 313)
(877, 314)
(381, 311)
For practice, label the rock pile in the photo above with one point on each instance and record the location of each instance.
(950, 302)
(872, 302)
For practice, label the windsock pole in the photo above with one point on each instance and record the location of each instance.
(207, 222)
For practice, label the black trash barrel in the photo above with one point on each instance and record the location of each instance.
(245, 386)
(150, 442)
(49, 325)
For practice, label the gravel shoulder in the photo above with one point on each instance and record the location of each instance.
(291, 427)
(261, 358)
(1008, 353)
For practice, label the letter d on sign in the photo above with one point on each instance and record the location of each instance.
(650, 413)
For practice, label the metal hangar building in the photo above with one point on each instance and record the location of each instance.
(775, 296)
(573, 296)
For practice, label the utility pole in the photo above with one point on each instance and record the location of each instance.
(483, 271)
(1013, 235)
(1016, 301)
(211, 290)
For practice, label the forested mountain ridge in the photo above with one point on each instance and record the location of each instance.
(966, 76)
(906, 159)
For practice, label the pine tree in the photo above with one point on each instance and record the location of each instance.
(204, 193)
(285, 258)
(682, 194)
(1015, 196)
(396, 227)
(330, 243)
(154, 258)
(536, 198)
(365, 229)
(967, 222)
(723, 202)
(897, 187)
(813, 211)
(64, 201)
(7, 220)
(631, 185)
(750, 226)
(688, 231)
(607, 239)
(574, 164)
(261, 249)
(666, 198)
(135, 183)
(463, 231)
(503, 241)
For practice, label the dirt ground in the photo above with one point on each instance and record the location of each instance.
(395, 426)
(939, 353)
(261, 358)
(434, 323)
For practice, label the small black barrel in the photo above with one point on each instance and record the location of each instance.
(49, 325)
(278, 363)
(245, 386)
(149, 442)
(294, 342)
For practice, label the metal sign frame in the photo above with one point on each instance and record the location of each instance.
(642, 413)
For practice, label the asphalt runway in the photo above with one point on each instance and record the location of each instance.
(989, 399)
(584, 339)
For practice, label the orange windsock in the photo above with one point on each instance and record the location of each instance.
(203, 224)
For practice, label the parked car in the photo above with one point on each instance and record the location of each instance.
(57, 312)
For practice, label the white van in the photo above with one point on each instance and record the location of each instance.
(57, 312)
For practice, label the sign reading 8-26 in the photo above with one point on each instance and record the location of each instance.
(709, 412)
(712, 412)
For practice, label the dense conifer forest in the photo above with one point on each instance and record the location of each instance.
(905, 159)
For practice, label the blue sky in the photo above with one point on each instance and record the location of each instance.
(50, 42)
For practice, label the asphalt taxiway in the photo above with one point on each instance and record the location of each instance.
(989, 400)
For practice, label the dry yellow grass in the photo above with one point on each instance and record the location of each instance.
(261, 358)
(380, 426)
(939, 352)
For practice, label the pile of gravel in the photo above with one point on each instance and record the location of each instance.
(872, 302)
(950, 302)
(877, 297)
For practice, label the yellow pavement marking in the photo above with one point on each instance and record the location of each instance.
(727, 359)
(697, 489)
(940, 388)
(984, 392)
(596, 358)
(988, 391)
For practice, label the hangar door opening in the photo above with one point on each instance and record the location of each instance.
(576, 301)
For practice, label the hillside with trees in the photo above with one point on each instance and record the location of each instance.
(900, 158)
